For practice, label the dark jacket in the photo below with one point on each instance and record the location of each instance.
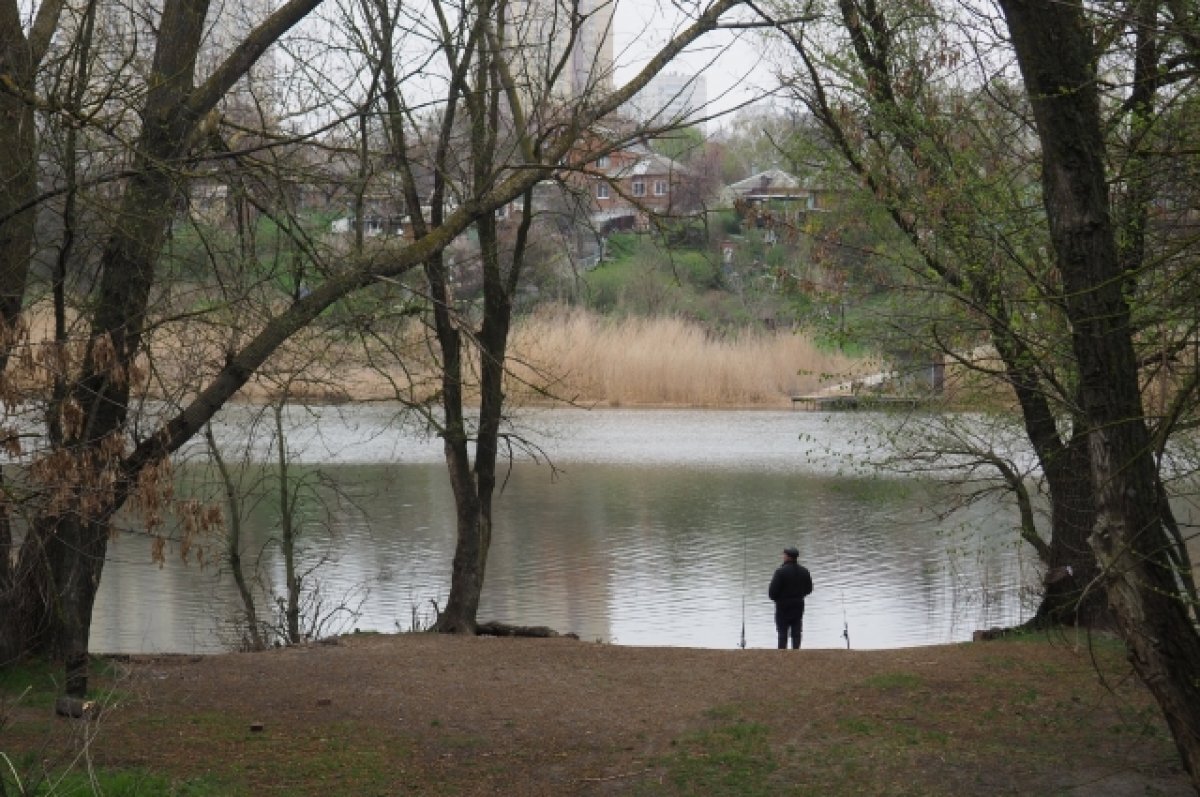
(790, 584)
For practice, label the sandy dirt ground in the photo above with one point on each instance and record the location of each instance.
(433, 714)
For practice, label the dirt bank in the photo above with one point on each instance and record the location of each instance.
(428, 714)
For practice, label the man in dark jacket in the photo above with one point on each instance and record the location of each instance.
(789, 586)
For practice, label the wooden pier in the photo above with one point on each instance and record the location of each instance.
(839, 403)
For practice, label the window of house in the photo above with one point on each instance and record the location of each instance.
(660, 187)
(502, 212)
(602, 162)
(601, 190)
(639, 187)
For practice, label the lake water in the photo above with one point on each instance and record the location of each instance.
(653, 527)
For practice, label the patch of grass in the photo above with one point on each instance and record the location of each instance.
(937, 737)
(734, 760)
(895, 681)
(722, 713)
(621, 245)
(1141, 722)
(605, 283)
(846, 763)
(859, 726)
(33, 682)
(110, 783)
(338, 758)
(1002, 663)
(343, 757)
(37, 683)
(693, 268)
(220, 727)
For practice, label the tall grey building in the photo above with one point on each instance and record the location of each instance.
(576, 36)
(119, 40)
(670, 98)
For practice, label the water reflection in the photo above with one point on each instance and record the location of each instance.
(656, 528)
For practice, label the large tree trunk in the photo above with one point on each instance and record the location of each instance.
(61, 572)
(18, 182)
(20, 56)
(58, 573)
(1072, 595)
(1058, 65)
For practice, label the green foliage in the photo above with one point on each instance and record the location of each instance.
(263, 252)
(645, 277)
(679, 145)
(728, 223)
(604, 285)
(349, 761)
(696, 269)
(622, 245)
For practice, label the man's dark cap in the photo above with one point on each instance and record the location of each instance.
(792, 552)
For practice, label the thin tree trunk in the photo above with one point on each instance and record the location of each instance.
(233, 542)
(287, 530)
(466, 577)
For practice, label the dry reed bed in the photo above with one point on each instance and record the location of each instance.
(669, 361)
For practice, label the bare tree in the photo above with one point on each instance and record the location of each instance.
(48, 595)
(503, 119)
(102, 445)
(1066, 294)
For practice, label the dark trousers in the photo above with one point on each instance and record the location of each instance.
(789, 625)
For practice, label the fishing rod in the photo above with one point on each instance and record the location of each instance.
(742, 643)
(837, 552)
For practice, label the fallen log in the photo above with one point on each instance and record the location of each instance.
(494, 628)
(988, 634)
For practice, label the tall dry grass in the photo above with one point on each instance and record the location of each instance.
(664, 361)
